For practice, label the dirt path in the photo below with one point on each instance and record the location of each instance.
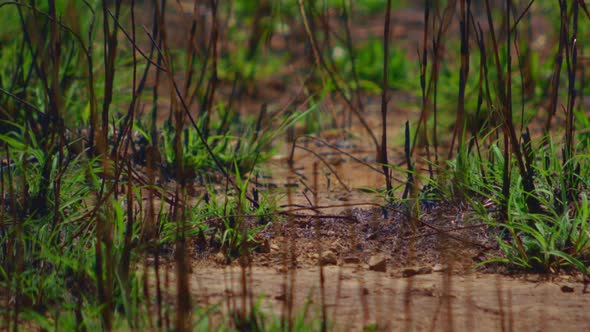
(356, 298)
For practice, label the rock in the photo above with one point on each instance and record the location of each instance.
(409, 272)
(275, 244)
(440, 267)
(282, 269)
(567, 289)
(378, 263)
(220, 258)
(328, 258)
(278, 244)
(371, 236)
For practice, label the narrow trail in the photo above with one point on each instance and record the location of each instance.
(357, 298)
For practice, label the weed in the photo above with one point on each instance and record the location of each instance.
(369, 65)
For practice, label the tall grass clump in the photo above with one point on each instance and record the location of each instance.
(533, 179)
(94, 190)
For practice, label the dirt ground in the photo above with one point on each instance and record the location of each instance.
(439, 289)
(425, 281)
(357, 298)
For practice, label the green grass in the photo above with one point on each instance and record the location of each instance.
(368, 58)
(555, 238)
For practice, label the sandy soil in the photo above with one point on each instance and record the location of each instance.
(357, 298)
(439, 290)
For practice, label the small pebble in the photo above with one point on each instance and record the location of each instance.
(220, 258)
(567, 289)
(409, 272)
(378, 263)
(328, 258)
(440, 268)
